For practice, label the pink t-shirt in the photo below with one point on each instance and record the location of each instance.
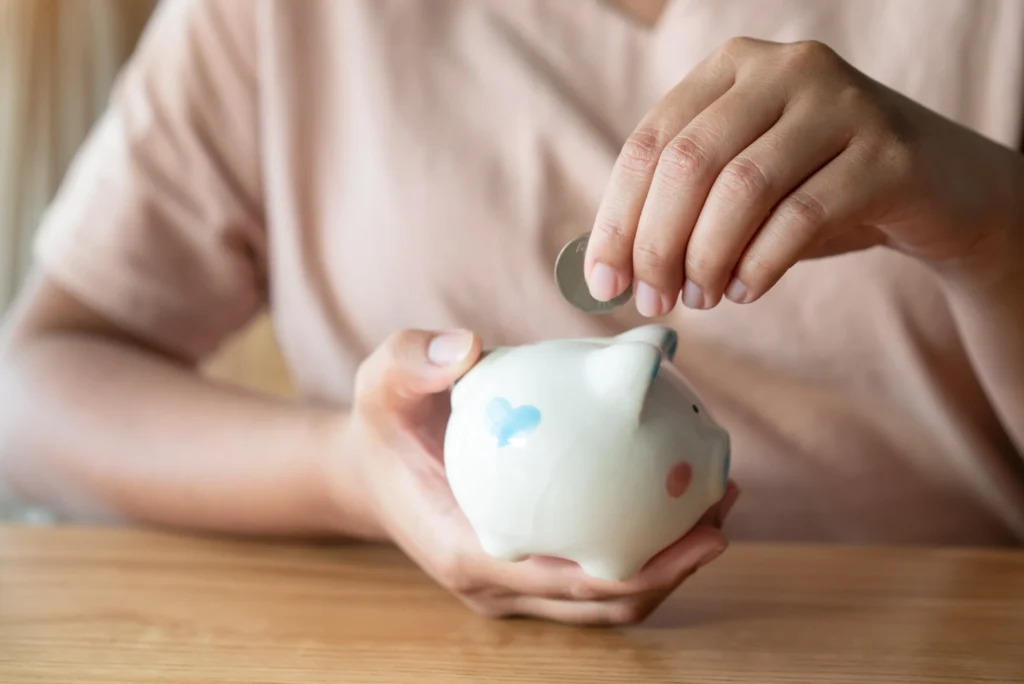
(369, 165)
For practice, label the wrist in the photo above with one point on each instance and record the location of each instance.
(344, 482)
(993, 267)
(993, 261)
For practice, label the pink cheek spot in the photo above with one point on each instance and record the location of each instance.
(678, 480)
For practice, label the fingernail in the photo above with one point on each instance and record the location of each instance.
(605, 283)
(449, 348)
(650, 302)
(712, 555)
(692, 295)
(737, 291)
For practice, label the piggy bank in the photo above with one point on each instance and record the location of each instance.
(593, 450)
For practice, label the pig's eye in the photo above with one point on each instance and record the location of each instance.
(695, 409)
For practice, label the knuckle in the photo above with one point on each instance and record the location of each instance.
(580, 591)
(757, 272)
(901, 158)
(629, 613)
(461, 584)
(744, 179)
(890, 151)
(373, 372)
(809, 54)
(700, 267)
(737, 47)
(361, 382)
(866, 117)
(854, 99)
(395, 342)
(611, 231)
(641, 150)
(903, 135)
(803, 211)
(684, 160)
(366, 380)
(648, 257)
(455, 573)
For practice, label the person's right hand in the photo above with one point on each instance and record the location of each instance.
(396, 432)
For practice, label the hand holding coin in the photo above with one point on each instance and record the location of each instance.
(571, 281)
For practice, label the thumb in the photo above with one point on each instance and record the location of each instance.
(412, 364)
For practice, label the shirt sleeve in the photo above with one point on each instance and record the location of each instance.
(158, 222)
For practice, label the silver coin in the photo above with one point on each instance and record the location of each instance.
(573, 285)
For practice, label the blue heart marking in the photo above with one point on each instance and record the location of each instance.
(506, 423)
(726, 467)
(673, 344)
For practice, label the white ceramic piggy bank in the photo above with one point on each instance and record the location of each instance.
(592, 450)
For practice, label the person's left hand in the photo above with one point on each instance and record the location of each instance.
(769, 153)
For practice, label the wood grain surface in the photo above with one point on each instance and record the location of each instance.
(104, 606)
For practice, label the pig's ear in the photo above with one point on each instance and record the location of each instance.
(664, 338)
(621, 373)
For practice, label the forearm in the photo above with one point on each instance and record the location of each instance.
(986, 293)
(100, 430)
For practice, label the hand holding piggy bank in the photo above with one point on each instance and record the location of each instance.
(592, 450)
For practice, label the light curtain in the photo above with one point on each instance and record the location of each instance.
(58, 61)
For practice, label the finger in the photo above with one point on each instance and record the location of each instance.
(717, 514)
(685, 174)
(732, 495)
(742, 196)
(608, 265)
(413, 364)
(835, 197)
(629, 611)
(699, 547)
(564, 580)
(544, 576)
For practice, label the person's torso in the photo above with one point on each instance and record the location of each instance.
(425, 162)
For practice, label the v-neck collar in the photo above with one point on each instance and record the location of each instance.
(639, 21)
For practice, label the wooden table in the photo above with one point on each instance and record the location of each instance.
(92, 606)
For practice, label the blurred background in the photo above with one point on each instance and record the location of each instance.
(58, 62)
